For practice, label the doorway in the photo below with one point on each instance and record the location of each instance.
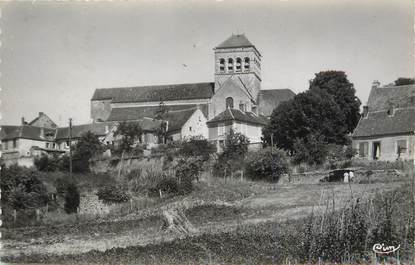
(376, 151)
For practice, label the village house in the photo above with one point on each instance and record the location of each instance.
(386, 130)
(23, 143)
(236, 86)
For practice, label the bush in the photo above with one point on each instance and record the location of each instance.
(262, 165)
(22, 188)
(187, 170)
(112, 194)
(339, 156)
(233, 155)
(167, 185)
(47, 163)
(311, 150)
(72, 198)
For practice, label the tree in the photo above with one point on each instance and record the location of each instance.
(72, 198)
(87, 147)
(161, 114)
(336, 84)
(234, 152)
(313, 112)
(130, 133)
(21, 188)
(402, 81)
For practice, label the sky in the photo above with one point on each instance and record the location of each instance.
(55, 54)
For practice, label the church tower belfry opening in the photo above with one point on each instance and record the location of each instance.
(237, 57)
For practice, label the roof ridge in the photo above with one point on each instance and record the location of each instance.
(158, 85)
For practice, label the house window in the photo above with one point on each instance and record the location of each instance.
(247, 63)
(47, 145)
(6, 145)
(363, 149)
(67, 143)
(238, 64)
(14, 143)
(190, 128)
(401, 147)
(229, 102)
(54, 146)
(222, 65)
(230, 64)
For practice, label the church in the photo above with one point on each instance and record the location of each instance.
(234, 100)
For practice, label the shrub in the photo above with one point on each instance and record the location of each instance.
(311, 150)
(338, 156)
(21, 188)
(72, 198)
(233, 155)
(112, 194)
(187, 170)
(167, 185)
(262, 165)
(47, 163)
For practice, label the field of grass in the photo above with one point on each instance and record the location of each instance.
(236, 221)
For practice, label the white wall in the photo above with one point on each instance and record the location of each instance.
(195, 126)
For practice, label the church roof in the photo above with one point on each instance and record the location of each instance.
(380, 123)
(238, 115)
(235, 41)
(155, 93)
(133, 113)
(269, 99)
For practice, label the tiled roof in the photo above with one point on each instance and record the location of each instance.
(380, 123)
(270, 99)
(381, 98)
(238, 115)
(27, 132)
(77, 130)
(134, 113)
(236, 41)
(156, 93)
(176, 119)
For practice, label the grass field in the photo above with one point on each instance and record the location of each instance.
(230, 216)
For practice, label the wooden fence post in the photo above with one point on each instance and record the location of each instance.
(14, 216)
(37, 214)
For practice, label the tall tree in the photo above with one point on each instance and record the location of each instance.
(129, 133)
(313, 112)
(336, 84)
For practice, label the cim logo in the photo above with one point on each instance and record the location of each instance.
(382, 249)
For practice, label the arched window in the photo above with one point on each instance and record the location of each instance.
(247, 62)
(222, 65)
(229, 102)
(230, 64)
(238, 64)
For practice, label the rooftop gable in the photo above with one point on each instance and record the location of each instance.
(381, 98)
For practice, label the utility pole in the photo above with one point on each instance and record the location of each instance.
(70, 148)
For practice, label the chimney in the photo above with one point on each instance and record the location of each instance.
(23, 121)
(365, 111)
(375, 84)
(40, 114)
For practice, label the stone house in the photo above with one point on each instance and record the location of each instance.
(237, 85)
(386, 130)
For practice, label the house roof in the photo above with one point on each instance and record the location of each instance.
(176, 119)
(236, 41)
(155, 93)
(238, 115)
(134, 113)
(27, 132)
(270, 99)
(380, 123)
(43, 115)
(381, 98)
(98, 129)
